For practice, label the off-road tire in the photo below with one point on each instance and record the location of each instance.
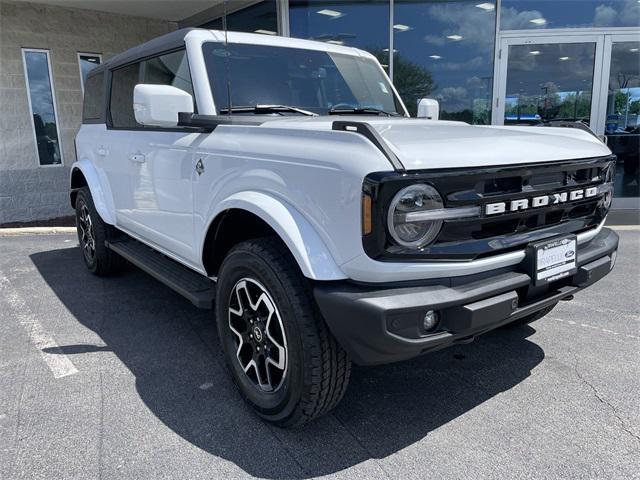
(318, 369)
(103, 262)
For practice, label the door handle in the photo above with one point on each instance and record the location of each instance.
(102, 151)
(137, 158)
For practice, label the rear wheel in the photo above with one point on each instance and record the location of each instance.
(92, 234)
(283, 358)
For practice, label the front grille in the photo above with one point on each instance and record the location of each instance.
(471, 238)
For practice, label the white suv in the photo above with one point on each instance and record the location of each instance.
(281, 183)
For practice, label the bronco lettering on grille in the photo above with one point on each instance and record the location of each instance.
(541, 201)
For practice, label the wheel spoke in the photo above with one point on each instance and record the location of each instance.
(87, 237)
(263, 335)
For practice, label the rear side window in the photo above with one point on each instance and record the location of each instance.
(93, 96)
(170, 69)
(123, 81)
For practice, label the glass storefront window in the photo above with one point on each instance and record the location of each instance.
(536, 14)
(261, 17)
(362, 24)
(623, 116)
(41, 101)
(444, 50)
(547, 82)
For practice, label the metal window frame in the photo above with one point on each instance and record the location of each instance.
(602, 59)
(284, 27)
(85, 54)
(53, 100)
(391, 38)
(500, 85)
(619, 203)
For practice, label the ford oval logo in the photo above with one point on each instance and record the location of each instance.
(569, 254)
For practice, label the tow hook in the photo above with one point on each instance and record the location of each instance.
(465, 340)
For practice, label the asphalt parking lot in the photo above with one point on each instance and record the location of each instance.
(122, 378)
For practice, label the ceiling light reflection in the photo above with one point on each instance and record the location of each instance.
(487, 6)
(330, 13)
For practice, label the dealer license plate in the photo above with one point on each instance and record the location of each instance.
(555, 259)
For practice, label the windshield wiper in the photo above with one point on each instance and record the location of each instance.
(343, 109)
(257, 109)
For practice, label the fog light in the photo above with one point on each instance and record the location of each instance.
(613, 259)
(430, 321)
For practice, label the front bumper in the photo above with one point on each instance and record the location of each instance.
(377, 325)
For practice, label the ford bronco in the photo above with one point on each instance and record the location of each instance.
(282, 184)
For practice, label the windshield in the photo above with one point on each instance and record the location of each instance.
(308, 79)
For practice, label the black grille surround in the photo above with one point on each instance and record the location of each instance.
(471, 238)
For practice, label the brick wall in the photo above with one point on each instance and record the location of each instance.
(28, 191)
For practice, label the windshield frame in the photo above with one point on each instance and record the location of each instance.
(400, 108)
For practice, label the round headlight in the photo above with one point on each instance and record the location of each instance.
(414, 233)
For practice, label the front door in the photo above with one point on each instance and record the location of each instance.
(548, 79)
(162, 171)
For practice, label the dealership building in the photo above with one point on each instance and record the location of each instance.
(485, 61)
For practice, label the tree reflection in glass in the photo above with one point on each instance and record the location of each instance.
(444, 50)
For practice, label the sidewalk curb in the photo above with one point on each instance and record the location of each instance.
(633, 228)
(7, 232)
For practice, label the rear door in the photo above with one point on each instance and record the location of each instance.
(121, 128)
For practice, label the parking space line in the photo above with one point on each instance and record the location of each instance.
(54, 357)
(593, 327)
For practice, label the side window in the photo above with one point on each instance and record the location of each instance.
(123, 81)
(87, 62)
(93, 96)
(170, 69)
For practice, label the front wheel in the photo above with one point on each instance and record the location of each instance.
(283, 358)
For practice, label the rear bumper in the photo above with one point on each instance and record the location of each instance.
(377, 324)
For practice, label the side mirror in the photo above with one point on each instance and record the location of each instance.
(428, 108)
(159, 105)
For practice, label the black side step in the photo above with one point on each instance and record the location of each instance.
(195, 287)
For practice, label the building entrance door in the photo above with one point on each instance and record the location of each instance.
(549, 79)
(589, 77)
(620, 114)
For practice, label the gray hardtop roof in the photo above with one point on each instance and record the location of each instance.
(157, 45)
